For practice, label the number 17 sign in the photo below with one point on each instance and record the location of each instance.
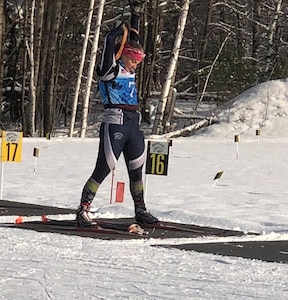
(157, 158)
(11, 150)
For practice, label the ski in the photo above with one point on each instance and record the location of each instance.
(107, 228)
(196, 230)
(69, 227)
(171, 228)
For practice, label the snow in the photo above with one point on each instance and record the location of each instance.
(263, 106)
(251, 195)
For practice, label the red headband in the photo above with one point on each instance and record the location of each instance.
(135, 54)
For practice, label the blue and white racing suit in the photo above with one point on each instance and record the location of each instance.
(120, 131)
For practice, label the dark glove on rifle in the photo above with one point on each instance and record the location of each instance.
(136, 7)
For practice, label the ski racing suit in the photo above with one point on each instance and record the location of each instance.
(120, 130)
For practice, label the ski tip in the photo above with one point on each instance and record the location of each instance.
(19, 220)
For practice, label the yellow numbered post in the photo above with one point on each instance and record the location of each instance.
(11, 150)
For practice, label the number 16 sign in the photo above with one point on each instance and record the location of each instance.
(157, 158)
(11, 146)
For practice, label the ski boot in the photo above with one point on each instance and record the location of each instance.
(82, 216)
(142, 216)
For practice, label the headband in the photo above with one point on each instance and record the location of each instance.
(135, 54)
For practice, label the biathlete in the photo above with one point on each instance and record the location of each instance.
(120, 130)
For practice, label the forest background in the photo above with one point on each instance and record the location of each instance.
(219, 49)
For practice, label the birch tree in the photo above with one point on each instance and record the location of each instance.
(272, 44)
(91, 68)
(30, 50)
(81, 66)
(170, 77)
(38, 35)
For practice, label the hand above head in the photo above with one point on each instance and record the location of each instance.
(136, 7)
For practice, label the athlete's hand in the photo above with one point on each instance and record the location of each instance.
(136, 7)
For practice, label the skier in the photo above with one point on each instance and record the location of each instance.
(120, 131)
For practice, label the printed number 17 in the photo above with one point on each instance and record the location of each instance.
(10, 148)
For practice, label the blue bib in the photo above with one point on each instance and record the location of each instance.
(120, 90)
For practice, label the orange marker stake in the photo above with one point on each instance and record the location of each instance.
(120, 191)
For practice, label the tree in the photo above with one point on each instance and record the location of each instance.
(152, 40)
(170, 77)
(38, 35)
(2, 26)
(32, 91)
(42, 42)
(255, 28)
(91, 68)
(273, 41)
(50, 76)
(81, 67)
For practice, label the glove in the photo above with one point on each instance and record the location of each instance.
(136, 7)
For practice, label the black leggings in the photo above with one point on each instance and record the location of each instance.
(114, 140)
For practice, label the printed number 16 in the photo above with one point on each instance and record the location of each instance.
(158, 165)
